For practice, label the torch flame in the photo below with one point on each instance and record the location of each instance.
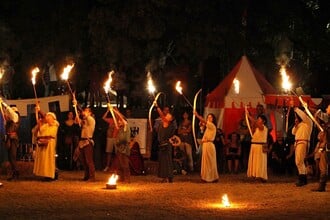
(34, 74)
(113, 179)
(236, 85)
(2, 71)
(178, 87)
(225, 201)
(286, 84)
(66, 71)
(107, 84)
(151, 86)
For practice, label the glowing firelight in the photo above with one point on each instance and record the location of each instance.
(35, 71)
(286, 84)
(178, 87)
(151, 86)
(2, 71)
(225, 201)
(107, 84)
(112, 182)
(66, 71)
(236, 85)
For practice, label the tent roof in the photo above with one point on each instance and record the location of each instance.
(253, 86)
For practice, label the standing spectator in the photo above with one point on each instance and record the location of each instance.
(7, 80)
(209, 171)
(245, 139)
(261, 111)
(302, 131)
(257, 165)
(49, 79)
(165, 131)
(233, 152)
(185, 134)
(44, 162)
(86, 144)
(219, 143)
(112, 132)
(71, 132)
(12, 118)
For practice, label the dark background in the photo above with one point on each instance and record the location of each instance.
(197, 42)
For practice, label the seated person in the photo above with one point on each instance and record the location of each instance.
(179, 156)
(233, 152)
(281, 158)
(136, 162)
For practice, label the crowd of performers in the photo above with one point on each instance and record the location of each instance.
(175, 153)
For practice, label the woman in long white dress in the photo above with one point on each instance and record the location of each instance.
(209, 171)
(257, 165)
(44, 161)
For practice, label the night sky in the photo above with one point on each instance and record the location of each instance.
(34, 31)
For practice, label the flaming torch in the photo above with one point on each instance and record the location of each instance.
(65, 76)
(107, 88)
(152, 89)
(35, 71)
(179, 89)
(286, 85)
(2, 72)
(112, 182)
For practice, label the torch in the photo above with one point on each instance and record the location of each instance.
(35, 71)
(286, 85)
(65, 76)
(107, 88)
(2, 72)
(152, 90)
(179, 89)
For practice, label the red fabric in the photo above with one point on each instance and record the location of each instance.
(283, 100)
(216, 98)
(232, 117)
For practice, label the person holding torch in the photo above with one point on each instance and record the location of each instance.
(209, 170)
(302, 131)
(11, 117)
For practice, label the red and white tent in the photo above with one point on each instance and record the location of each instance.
(228, 104)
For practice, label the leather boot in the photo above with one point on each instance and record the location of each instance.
(14, 175)
(322, 184)
(302, 180)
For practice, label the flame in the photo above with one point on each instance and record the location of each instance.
(66, 71)
(225, 201)
(178, 87)
(34, 74)
(2, 71)
(286, 84)
(113, 179)
(236, 85)
(151, 86)
(107, 84)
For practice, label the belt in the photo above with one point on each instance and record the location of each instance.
(298, 140)
(206, 141)
(83, 139)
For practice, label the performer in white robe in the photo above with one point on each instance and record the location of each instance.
(44, 161)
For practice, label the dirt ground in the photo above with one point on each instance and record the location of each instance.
(146, 198)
